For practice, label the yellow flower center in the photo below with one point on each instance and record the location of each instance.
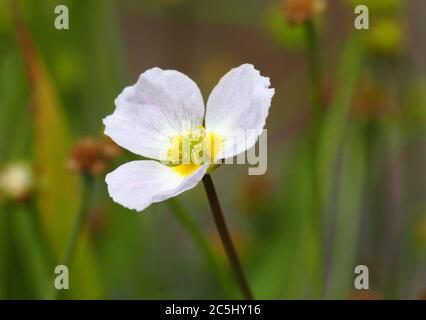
(190, 150)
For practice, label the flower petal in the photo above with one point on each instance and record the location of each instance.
(137, 184)
(162, 104)
(239, 104)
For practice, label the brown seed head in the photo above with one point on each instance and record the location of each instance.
(299, 11)
(92, 155)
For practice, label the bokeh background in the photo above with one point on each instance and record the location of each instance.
(345, 183)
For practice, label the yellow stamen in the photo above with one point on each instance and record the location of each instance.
(186, 169)
(190, 150)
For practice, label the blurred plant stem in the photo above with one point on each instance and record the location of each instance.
(349, 196)
(88, 186)
(29, 248)
(392, 132)
(315, 75)
(5, 246)
(315, 69)
(37, 229)
(225, 237)
(342, 166)
(200, 241)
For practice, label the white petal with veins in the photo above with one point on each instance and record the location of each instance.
(237, 109)
(137, 184)
(162, 104)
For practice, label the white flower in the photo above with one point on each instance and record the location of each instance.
(161, 117)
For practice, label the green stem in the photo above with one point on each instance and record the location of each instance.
(199, 240)
(78, 224)
(5, 245)
(315, 70)
(37, 229)
(315, 76)
(225, 237)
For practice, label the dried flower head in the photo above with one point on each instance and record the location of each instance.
(92, 155)
(16, 181)
(299, 11)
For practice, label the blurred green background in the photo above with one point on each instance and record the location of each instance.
(345, 183)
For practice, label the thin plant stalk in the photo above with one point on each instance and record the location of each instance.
(39, 232)
(70, 249)
(315, 75)
(315, 69)
(226, 237)
(5, 249)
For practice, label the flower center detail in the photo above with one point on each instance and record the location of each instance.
(188, 151)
